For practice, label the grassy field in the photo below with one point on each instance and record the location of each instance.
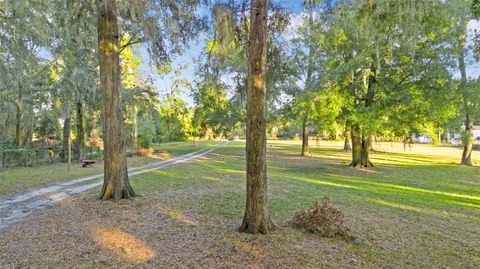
(411, 210)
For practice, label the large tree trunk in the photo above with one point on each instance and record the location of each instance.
(115, 184)
(256, 218)
(67, 128)
(135, 127)
(360, 145)
(305, 150)
(18, 124)
(467, 142)
(80, 154)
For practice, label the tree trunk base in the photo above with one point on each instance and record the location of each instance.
(264, 227)
(467, 162)
(109, 194)
(361, 164)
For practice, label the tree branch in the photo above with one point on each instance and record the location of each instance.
(130, 42)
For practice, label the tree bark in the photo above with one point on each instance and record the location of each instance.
(67, 128)
(256, 218)
(115, 184)
(31, 129)
(305, 150)
(346, 145)
(360, 145)
(80, 154)
(467, 142)
(18, 124)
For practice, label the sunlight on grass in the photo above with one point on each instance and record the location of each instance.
(407, 188)
(123, 244)
(464, 204)
(161, 155)
(433, 212)
(208, 178)
(177, 215)
(323, 182)
(166, 173)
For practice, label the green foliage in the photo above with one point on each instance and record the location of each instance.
(18, 157)
(145, 139)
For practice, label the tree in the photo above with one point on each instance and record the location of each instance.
(163, 27)
(22, 36)
(256, 218)
(309, 74)
(381, 54)
(75, 47)
(115, 184)
(468, 136)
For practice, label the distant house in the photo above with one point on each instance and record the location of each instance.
(423, 138)
(456, 138)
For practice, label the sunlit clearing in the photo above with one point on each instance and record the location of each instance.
(407, 188)
(177, 215)
(432, 212)
(123, 244)
(247, 247)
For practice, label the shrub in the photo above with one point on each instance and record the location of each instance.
(19, 157)
(323, 219)
(144, 152)
(145, 140)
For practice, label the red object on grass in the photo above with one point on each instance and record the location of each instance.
(88, 162)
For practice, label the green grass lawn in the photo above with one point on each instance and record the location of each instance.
(409, 211)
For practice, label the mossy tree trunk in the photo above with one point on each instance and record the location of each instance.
(360, 145)
(67, 130)
(18, 124)
(256, 218)
(360, 140)
(80, 153)
(115, 184)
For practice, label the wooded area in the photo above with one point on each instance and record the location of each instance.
(75, 89)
